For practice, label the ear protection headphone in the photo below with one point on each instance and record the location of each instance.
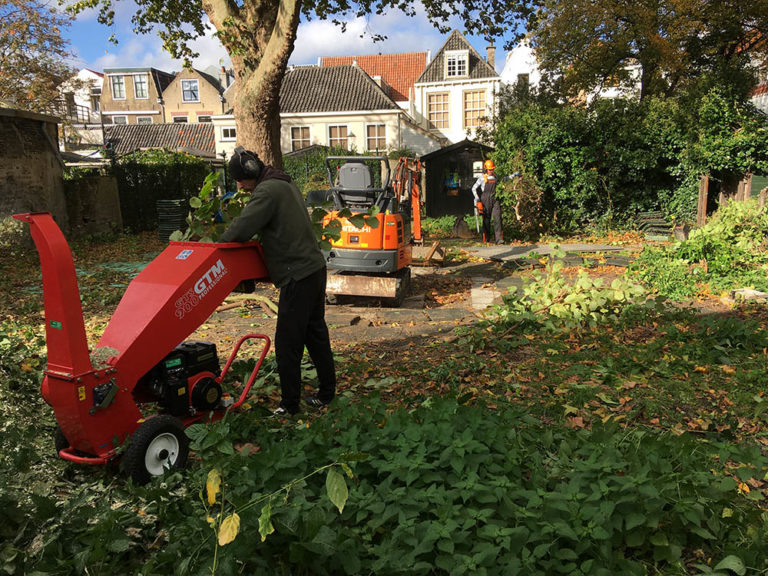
(249, 162)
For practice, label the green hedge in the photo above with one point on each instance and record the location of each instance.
(145, 177)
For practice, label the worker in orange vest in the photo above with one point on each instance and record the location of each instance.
(484, 191)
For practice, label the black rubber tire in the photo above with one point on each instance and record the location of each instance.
(158, 444)
(60, 441)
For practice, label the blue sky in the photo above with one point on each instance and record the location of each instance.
(89, 41)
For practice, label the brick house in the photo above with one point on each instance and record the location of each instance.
(134, 95)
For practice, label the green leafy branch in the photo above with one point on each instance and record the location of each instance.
(210, 216)
(226, 524)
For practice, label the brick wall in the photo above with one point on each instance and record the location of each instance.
(31, 175)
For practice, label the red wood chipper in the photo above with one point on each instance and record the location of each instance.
(142, 382)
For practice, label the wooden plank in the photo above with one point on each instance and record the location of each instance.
(701, 211)
(747, 187)
(351, 285)
(423, 255)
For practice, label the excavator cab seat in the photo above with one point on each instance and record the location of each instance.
(354, 187)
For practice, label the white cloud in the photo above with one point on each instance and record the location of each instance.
(404, 34)
(147, 50)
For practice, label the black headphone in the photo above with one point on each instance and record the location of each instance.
(249, 162)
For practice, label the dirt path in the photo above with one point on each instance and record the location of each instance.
(441, 299)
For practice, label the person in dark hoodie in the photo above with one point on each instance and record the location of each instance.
(276, 212)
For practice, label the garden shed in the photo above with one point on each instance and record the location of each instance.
(449, 178)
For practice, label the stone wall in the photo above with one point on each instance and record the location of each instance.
(31, 171)
(93, 204)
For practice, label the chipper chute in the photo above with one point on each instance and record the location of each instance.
(142, 382)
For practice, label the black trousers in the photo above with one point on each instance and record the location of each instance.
(301, 322)
(492, 212)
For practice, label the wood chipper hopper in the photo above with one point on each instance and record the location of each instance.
(142, 382)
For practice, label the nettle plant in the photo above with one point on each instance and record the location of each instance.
(211, 214)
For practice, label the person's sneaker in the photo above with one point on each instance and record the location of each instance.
(316, 402)
(281, 412)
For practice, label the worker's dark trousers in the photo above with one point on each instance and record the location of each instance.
(300, 322)
(492, 211)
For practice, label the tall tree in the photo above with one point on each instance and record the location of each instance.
(33, 55)
(591, 43)
(259, 36)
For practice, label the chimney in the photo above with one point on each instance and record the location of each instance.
(223, 78)
(491, 56)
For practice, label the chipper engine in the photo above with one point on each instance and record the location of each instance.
(142, 384)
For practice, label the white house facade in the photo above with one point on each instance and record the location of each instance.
(458, 91)
(339, 106)
(522, 65)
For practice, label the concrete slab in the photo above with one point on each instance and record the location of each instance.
(505, 252)
(483, 293)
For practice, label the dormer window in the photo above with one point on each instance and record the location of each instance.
(457, 64)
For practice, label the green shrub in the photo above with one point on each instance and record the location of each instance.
(728, 252)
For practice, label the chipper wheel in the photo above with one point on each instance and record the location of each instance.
(157, 445)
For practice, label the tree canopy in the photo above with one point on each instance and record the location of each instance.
(671, 43)
(33, 55)
(259, 37)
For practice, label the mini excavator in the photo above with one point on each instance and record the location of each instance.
(368, 261)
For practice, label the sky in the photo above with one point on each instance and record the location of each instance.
(89, 41)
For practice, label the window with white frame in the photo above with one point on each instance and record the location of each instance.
(119, 119)
(456, 64)
(190, 91)
(144, 120)
(376, 137)
(338, 136)
(474, 108)
(180, 119)
(299, 137)
(437, 110)
(205, 119)
(140, 87)
(118, 87)
(229, 133)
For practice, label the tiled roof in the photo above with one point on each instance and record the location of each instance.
(478, 67)
(399, 71)
(760, 90)
(197, 139)
(336, 89)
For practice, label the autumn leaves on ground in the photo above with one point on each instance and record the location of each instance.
(592, 424)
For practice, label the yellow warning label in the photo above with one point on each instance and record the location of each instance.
(363, 245)
(81, 393)
(182, 391)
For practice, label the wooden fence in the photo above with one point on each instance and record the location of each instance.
(743, 192)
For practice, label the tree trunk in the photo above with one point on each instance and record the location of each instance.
(259, 37)
(257, 115)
